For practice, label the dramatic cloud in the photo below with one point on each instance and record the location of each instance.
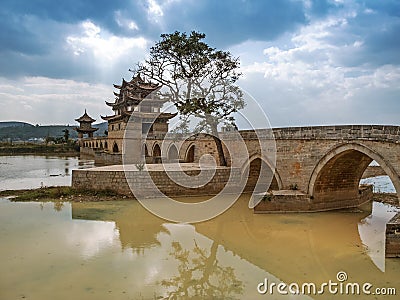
(305, 61)
(56, 101)
(103, 49)
(331, 71)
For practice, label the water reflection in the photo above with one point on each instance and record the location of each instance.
(58, 205)
(96, 238)
(28, 171)
(118, 250)
(66, 169)
(372, 232)
(138, 229)
(201, 275)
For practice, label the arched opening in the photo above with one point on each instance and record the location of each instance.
(156, 154)
(337, 175)
(97, 145)
(376, 176)
(115, 148)
(173, 155)
(190, 154)
(260, 174)
(145, 152)
(101, 145)
(106, 145)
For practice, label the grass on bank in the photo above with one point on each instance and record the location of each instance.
(67, 193)
(64, 193)
(28, 148)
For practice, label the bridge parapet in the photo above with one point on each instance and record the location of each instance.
(386, 133)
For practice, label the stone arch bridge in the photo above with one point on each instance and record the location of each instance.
(325, 164)
(321, 165)
(317, 167)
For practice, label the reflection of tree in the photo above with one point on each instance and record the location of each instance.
(66, 169)
(58, 205)
(200, 276)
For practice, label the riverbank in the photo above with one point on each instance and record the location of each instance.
(39, 149)
(62, 193)
(66, 193)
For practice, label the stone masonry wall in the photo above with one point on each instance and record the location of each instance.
(297, 158)
(298, 202)
(392, 247)
(117, 181)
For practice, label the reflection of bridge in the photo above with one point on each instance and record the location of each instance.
(263, 244)
(323, 164)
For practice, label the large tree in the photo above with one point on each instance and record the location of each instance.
(199, 80)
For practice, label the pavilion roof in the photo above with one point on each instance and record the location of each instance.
(85, 118)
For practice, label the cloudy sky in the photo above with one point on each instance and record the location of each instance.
(306, 62)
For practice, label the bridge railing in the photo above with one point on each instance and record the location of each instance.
(388, 133)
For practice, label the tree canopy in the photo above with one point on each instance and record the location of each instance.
(199, 80)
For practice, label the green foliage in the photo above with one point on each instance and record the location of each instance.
(267, 197)
(198, 79)
(66, 135)
(53, 193)
(27, 148)
(44, 193)
(140, 166)
(27, 132)
(293, 187)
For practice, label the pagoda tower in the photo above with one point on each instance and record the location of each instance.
(129, 101)
(85, 126)
(135, 100)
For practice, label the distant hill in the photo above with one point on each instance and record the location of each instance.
(28, 131)
(102, 127)
(14, 124)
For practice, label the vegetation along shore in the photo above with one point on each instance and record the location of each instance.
(37, 149)
(66, 193)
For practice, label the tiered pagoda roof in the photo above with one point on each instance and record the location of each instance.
(130, 94)
(85, 118)
(85, 124)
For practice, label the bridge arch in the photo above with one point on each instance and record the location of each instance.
(156, 150)
(190, 153)
(115, 148)
(172, 153)
(156, 153)
(337, 175)
(145, 151)
(257, 167)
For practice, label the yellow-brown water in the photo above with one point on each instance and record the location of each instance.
(118, 250)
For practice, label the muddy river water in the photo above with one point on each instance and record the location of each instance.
(118, 250)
